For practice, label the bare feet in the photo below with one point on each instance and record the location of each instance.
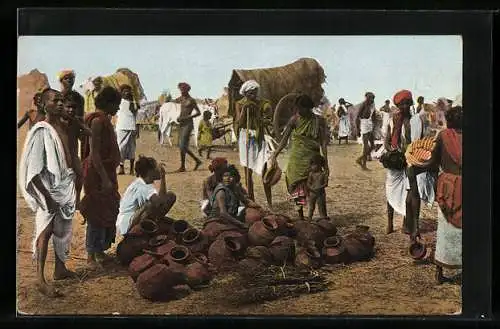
(64, 274)
(180, 170)
(358, 161)
(48, 290)
(198, 164)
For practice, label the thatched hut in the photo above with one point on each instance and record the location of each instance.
(302, 76)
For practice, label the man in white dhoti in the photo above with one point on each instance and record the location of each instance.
(364, 124)
(344, 123)
(254, 117)
(126, 128)
(47, 183)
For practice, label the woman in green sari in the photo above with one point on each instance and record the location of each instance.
(307, 133)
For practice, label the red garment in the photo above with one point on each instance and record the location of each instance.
(101, 208)
(401, 96)
(217, 163)
(184, 87)
(449, 186)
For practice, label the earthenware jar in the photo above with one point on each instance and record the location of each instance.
(140, 264)
(197, 272)
(130, 247)
(263, 232)
(157, 281)
(327, 226)
(225, 252)
(252, 215)
(195, 241)
(259, 253)
(333, 250)
(178, 228)
(308, 231)
(356, 250)
(308, 257)
(164, 224)
(282, 249)
(178, 257)
(214, 226)
(164, 247)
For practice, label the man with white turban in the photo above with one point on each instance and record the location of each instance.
(253, 117)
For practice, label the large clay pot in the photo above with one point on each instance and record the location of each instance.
(157, 281)
(327, 226)
(252, 215)
(307, 231)
(164, 225)
(356, 249)
(282, 249)
(333, 250)
(213, 227)
(179, 227)
(129, 248)
(259, 253)
(140, 264)
(263, 232)
(195, 241)
(224, 253)
(146, 227)
(308, 257)
(198, 272)
(178, 257)
(364, 236)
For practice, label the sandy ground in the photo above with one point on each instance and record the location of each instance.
(389, 284)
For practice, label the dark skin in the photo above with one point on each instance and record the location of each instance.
(404, 107)
(340, 113)
(206, 118)
(159, 204)
(323, 146)
(188, 105)
(76, 129)
(54, 106)
(127, 95)
(316, 183)
(368, 142)
(217, 176)
(33, 115)
(241, 118)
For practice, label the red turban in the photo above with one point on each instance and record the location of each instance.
(402, 95)
(217, 163)
(184, 87)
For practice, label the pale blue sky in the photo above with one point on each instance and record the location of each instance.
(427, 65)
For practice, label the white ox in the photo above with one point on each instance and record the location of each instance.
(169, 112)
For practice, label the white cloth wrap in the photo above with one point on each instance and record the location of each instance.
(256, 159)
(344, 126)
(448, 242)
(247, 86)
(365, 126)
(43, 155)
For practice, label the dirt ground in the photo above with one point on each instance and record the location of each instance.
(389, 284)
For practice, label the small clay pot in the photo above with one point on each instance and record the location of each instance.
(327, 226)
(214, 226)
(164, 225)
(417, 250)
(307, 231)
(252, 215)
(308, 257)
(148, 227)
(179, 254)
(198, 273)
(157, 281)
(356, 249)
(140, 264)
(333, 251)
(158, 240)
(178, 228)
(263, 232)
(195, 241)
(130, 247)
(282, 249)
(224, 253)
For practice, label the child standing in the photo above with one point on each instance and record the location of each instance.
(205, 136)
(316, 183)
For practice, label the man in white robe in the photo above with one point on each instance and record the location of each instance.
(47, 183)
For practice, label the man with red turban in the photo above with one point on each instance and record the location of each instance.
(188, 104)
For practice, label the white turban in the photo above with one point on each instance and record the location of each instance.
(247, 86)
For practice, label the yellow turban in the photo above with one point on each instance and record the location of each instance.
(64, 73)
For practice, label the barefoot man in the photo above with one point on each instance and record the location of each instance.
(47, 183)
(364, 124)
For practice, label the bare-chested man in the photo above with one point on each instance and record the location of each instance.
(33, 114)
(188, 105)
(46, 179)
(364, 124)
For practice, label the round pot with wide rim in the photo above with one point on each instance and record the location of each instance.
(252, 215)
(263, 232)
(130, 247)
(308, 257)
(198, 272)
(140, 264)
(282, 249)
(195, 241)
(225, 252)
(178, 228)
(157, 281)
(215, 226)
(333, 251)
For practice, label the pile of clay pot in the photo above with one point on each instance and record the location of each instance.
(163, 254)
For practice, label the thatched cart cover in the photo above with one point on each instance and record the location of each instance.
(304, 75)
(28, 85)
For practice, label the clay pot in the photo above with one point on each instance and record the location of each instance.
(248, 266)
(356, 250)
(225, 252)
(417, 250)
(165, 248)
(157, 281)
(263, 232)
(252, 215)
(282, 249)
(198, 272)
(363, 235)
(259, 253)
(140, 264)
(327, 226)
(195, 241)
(178, 257)
(164, 225)
(148, 227)
(333, 250)
(129, 248)
(158, 240)
(308, 257)
(307, 231)
(178, 228)
(213, 227)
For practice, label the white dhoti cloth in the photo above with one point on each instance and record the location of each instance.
(397, 186)
(448, 243)
(365, 126)
(43, 155)
(344, 127)
(126, 143)
(256, 158)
